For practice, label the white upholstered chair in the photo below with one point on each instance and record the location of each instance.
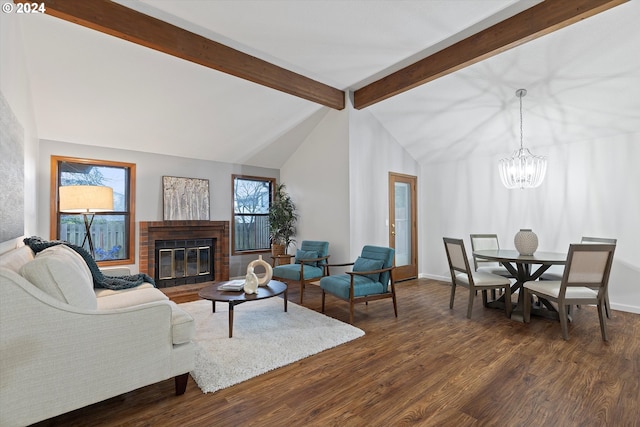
(584, 281)
(461, 274)
(557, 274)
(481, 242)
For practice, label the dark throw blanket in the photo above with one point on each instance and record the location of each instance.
(37, 244)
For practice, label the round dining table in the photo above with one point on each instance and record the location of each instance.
(524, 268)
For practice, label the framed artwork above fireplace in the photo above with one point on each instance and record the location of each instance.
(185, 199)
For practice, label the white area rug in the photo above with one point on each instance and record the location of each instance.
(264, 338)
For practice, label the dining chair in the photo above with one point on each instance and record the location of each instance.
(481, 242)
(371, 279)
(461, 274)
(585, 281)
(310, 264)
(557, 275)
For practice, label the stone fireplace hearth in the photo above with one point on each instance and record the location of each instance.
(217, 231)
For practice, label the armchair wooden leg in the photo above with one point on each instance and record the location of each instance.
(301, 291)
(181, 383)
(351, 309)
(323, 295)
(395, 304)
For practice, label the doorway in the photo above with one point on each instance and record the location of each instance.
(403, 224)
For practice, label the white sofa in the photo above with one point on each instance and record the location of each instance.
(64, 345)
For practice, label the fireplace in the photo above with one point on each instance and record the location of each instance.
(184, 252)
(183, 262)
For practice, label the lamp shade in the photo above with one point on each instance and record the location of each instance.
(85, 198)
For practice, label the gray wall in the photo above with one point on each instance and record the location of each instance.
(150, 168)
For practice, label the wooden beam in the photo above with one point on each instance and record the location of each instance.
(122, 22)
(539, 20)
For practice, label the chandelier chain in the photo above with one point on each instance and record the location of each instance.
(521, 133)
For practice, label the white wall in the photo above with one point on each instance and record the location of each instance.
(373, 153)
(14, 85)
(149, 171)
(317, 178)
(339, 178)
(591, 189)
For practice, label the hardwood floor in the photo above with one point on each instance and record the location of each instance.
(429, 367)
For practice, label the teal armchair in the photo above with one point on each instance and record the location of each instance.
(310, 263)
(370, 279)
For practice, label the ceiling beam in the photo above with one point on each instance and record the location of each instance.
(119, 21)
(537, 21)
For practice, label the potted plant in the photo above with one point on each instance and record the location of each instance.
(282, 221)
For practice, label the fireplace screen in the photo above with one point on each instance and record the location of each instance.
(183, 262)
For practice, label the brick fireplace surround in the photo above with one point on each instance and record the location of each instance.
(150, 231)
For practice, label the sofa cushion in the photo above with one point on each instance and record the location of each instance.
(339, 285)
(292, 272)
(124, 299)
(103, 292)
(16, 258)
(63, 274)
(73, 257)
(182, 324)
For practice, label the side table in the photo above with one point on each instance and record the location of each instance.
(281, 260)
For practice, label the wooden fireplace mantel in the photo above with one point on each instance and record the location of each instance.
(150, 231)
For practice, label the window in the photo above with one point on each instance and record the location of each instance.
(113, 232)
(251, 201)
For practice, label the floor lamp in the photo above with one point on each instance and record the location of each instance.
(86, 200)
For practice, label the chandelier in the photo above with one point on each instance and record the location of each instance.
(522, 169)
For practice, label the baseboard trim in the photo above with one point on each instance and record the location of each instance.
(625, 307)
(614, 306)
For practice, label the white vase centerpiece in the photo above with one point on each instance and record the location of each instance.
(268, 271)
(526, 241)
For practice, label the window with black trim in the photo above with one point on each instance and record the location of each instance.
(251, 202)
(113, 232)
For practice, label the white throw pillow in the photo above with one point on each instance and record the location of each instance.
(62, 273)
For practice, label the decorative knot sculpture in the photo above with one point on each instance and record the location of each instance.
(268, 271)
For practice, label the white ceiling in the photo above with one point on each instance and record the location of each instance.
(91, 88)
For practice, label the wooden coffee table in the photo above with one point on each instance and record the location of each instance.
(211, 292)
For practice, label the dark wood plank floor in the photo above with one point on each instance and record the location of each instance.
(429, 367)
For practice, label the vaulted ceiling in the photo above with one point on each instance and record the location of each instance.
(92, 88)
